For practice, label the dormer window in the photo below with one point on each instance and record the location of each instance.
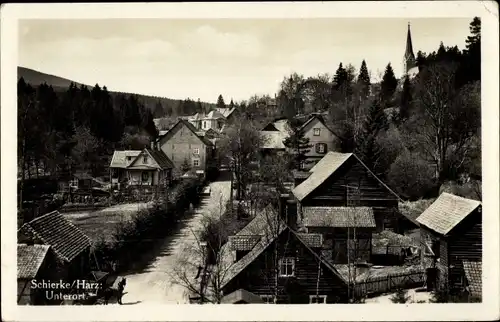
(145, 159)
(317, 131)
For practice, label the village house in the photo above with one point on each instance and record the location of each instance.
(69, 244)
(342, 180)
(34, 262)
(149, 167)
(185, 148)
(452, 229)
(301, 276)
(321, 138)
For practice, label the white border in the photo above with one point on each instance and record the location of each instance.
(488, 11)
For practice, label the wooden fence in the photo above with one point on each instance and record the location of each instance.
(391, 282)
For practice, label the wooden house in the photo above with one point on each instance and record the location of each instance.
(70, 245)
(270, 259)
(184, 147)
(149, 167)
(452, 228)
(34, 262)
(343, 180)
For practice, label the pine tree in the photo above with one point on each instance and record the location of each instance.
(298, 143)
(388, 85)
(367, 148)
(220, 102)
(340, 77)
(199, 106)
(406, 99)
(364, 79)
(158, 110)
(231, 104)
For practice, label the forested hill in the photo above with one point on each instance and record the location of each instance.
(61, 84)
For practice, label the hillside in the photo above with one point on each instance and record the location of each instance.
(60, 84)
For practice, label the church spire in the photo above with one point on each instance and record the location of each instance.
(409, 57)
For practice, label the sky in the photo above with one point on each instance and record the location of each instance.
(238, 58)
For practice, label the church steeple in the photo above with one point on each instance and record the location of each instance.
(409, 58)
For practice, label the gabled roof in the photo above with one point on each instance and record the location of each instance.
(241, 295)
(121, 159)
(191, 127)
(261, 224)
(282, 125)
(270, 127)
(29, 260)
(215, 115)
(341, 217)
(273, 140)
(315, 117)
(54, 230)
(447, 212)
(325, 168)
(225, 111)
(473, 272)
(161, 159)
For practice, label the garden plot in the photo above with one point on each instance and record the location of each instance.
(101, 224)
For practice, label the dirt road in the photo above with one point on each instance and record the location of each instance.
(154, 284)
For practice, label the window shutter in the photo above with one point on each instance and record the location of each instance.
(317, 147)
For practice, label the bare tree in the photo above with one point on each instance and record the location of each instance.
(240, 146)
(448, 120)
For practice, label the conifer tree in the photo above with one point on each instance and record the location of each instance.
(364, 79)
(388, 85)
(220, 102)
(367, 148)
(298, 144)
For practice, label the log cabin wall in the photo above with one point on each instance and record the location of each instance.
(464, 243)
(260, 276)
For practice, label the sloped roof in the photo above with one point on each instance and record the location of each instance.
(241, 295)
(273, 139)
(319, 118)
(215, 115)
(29, 259)
(473, 272)
(161, 158)
(53, 229)
(446, 212)
(225, 111)
(282, 125)
(241, 242)
(320, 172)
(311, 240)
(191, 127)
(119, 159)
(325, 167)
(339, 217)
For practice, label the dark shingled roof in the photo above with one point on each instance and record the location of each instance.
(311, 240)
(161, 158)
(338, 217)
(241, 242)
(53, 229)
(473, 272)
(29, 260)
(446, 212)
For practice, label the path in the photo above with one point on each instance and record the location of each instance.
(154, 284)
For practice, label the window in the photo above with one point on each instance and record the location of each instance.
(320, 299)
(287, 266)
(204, 124)
(317, 131)
(145, 159)
(196, 151)
(129, 158)
(320, 148)
(268, 299)
(196, 162)
(145, 176)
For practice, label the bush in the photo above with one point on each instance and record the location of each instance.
(401, 296)
(411, 176)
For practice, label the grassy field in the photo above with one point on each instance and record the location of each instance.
(102, 223)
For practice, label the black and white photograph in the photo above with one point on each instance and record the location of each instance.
(251, 160)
